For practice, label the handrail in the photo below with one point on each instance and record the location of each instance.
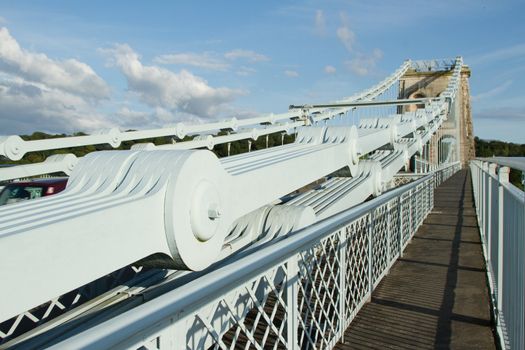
(517, 163)
(186, 298)
(500, 211)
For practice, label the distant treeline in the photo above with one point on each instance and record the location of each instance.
(236, 147)
(498, 148)
(486, 148)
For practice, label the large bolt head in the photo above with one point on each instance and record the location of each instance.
(12, 147)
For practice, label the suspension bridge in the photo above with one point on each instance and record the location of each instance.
(375, 227)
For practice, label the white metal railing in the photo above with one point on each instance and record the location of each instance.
(422, 165)
(433, 65)
(500, 209)
(299, 292)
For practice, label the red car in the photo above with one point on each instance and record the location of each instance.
(19, 191)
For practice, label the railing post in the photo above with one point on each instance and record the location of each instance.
(432, 191)
(400, 223)
(503, 178)
(388, 238)
(342, 280)
(422, 204)
(478, 169)
(488, 234)
(410, 218)
(292, 278)
(424, 200)
(485, 170)
(419, 208)
(426, 189)
(370, 257)
(429, 196)
(179, 336)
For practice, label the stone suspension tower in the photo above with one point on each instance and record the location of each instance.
(458, 129)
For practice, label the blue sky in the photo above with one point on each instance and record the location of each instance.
(68, 66)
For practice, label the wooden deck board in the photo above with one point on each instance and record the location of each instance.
(436, 296)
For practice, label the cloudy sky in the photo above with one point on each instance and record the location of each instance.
(68, 67)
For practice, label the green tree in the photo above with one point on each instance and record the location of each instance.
(489, 148)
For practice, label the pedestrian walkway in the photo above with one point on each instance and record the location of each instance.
(436, 295)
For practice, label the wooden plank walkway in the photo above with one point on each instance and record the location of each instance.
(436, 296)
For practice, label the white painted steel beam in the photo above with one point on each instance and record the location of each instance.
(56, 163)
(398, 102)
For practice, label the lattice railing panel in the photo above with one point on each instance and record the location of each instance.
(418, 206)
(380, 252)
(252, 316)
(413, 211)
(357, 279)
(394, 228)
(43, 313)
(405, 217)
(319, 293)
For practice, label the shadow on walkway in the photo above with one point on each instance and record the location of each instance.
(436, 296)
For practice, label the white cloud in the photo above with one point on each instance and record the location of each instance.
(204, 60)
(70, 75)
(498, 55)
(291, 73)
(54, 95)
(345, 35)
(329, 69)
(175, 92)
(492, 92)
(249, 55)
(28, 106)
(362, 64)
(502, 114)
(245, 71)
(40, 93)
(131, 118)
(319, 23)
(213, 61)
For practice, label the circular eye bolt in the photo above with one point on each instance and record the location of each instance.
(180, 130)
(205, 211)
(12, 147)
(196, 219)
